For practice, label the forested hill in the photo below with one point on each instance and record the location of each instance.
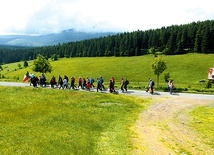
(176, 39)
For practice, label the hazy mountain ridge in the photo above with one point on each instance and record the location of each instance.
(64, 36)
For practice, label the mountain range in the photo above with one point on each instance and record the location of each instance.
(64, 36)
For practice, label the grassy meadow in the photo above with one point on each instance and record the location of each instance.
(185, 70)
(50, 121)
(203, 123)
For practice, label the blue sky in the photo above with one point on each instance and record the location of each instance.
(53, 16)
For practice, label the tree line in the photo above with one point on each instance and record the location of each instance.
(195, 37)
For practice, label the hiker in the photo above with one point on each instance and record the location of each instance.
(66, 78)
(84, 83)
(27, 74)
(122, 85)
(151, 86)
(30, 77)
(80, 82)
(170, 86)
(43, 80)
(111, 86)
(126, 82)
(65, 82)
(102, 82)
(34, 80)
(148, 87)
(88, 84)
(72, 83)
(60, 82)
(53, 81)
(99, 87)
(92, 82)
(113, 82)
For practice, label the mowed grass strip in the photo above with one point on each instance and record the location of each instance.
(203, 123)
(50, 121)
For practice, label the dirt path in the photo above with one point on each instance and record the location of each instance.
(163, 128)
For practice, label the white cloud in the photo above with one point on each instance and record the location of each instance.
(48, 16)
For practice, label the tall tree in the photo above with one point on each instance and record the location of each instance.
(158, 66)
(169, 49)
(42, 65)
(19, 65)
(25, 64)
(204, 42)
(198, 39)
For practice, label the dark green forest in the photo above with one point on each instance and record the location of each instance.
(195, 37)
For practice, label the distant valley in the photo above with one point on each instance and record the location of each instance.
(64, 36)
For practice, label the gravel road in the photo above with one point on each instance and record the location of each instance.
(131, 92)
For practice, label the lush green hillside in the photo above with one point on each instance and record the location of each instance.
(186, 70)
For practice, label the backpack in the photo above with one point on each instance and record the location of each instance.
(153, 83)
(127, 82)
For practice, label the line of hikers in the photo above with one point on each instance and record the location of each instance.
(88, 83)
(83, 83)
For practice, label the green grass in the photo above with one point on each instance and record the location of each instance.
(48, 121)
(203, 123)
(185, 70)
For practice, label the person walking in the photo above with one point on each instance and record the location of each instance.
(65, 82)
(111, 86)
(34, 80)
(53, 81)
(122, 85)
(113, 82)
(84, 83)
(99, 87)
(43, 80)
(126, 82)
(151, 86)
(148, 87)
(92, 81)
(80, 82)
(171, 86)
(102, 83)
(72, 86)
(60, 82)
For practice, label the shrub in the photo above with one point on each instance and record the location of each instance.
(166, 77)
(209, 84)
(16, 78)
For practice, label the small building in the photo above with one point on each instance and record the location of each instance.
(211, 75)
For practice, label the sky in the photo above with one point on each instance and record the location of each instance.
(36, 17)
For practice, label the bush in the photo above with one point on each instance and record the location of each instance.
(176, 89)
(202, 90)
(209, 84)
(179, 90)
(16, 78)
(166, 77)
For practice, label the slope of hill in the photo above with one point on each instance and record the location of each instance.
(186, 70)
(49, 39)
